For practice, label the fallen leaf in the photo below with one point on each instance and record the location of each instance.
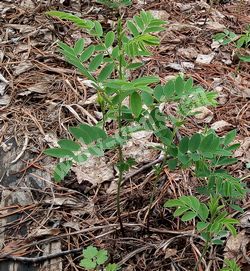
(160, 14)
(215, 26)
(140, 147)
(95, 170)
(44, 232)
(221, 125)
(5, 100)
(235, 244)
(23, 67)
(243, 152)
(61, 201)
(203, 114)
(170, 252)
(245, 220)
(189, 52)
(205, 59)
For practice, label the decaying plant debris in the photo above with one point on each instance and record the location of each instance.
(45, 224)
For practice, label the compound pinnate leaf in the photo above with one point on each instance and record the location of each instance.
(203, 211)
(79, 45)
(59, 153)
(188, 216)
(106, 72)
(133, 28)
(87, 53)
(136, 104)
(109, 39)
(72, 18)
(183, 145)
(68, 144)
(194, 142)
(96, 62)
(173, 203)
(61, 170)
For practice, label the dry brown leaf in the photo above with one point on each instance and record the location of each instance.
(23, 67)
(170, 252)
(243, 153)
(205, 59)
(203, 114)
(160, 14)
(62, 201)
(44, 232)
(221, 125)
(245, 220)
(235, 244)
(4, 100)
(95, 170)
(189, 52)
(140, 147)
(12, 248)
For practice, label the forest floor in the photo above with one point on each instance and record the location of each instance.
(41, 96)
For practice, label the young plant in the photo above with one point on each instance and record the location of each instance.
(95, 259)
(230, 265)
(207, 154)
(240, 41)
(106, 63)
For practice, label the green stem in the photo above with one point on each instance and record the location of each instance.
(119, 119)
(204, 251)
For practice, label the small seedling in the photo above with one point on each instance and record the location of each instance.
(94, 259)
(230, 265)
(240, 41)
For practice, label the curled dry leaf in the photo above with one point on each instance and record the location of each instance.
(235, 245)
(61, 201)
(170, 252)
(95, 170)
(203, 114)
(189, 52)
(243, 153)
(140, 147)
(205, 59)
(245, 220)
(23, 67)
(5, 100)
(160, 14)
(3, 83)
(221, 125)
(44, 232)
